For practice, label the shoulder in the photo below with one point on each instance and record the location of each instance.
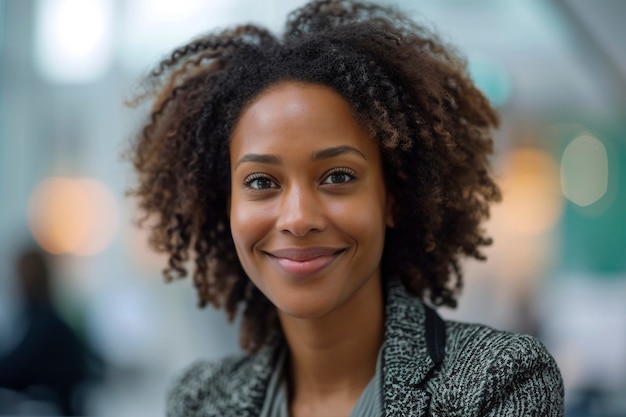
(207, 386)
(234, 385)
(480, 342)
(498, 373)
(201, 381)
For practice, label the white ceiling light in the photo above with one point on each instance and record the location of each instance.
(73, 39)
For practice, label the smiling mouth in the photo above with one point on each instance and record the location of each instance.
(306, 261)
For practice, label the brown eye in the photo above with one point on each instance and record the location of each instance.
(261, 183)
(338, 177)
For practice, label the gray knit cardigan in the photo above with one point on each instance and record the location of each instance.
(430, 368)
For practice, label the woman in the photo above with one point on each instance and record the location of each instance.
(326, 183)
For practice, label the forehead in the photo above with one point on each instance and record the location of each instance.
(291, 113)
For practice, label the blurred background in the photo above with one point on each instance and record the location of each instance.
(556, 70)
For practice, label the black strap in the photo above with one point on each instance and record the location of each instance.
(435, 335)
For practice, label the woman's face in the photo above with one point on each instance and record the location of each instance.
(308, 208)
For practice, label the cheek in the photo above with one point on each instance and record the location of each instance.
(243, 230)
(240, 225)
(363, 219)
(249, 223)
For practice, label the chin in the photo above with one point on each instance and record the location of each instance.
(302, 310)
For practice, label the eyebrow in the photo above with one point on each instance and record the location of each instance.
(336, 151)
(316, 156)
(259, 158)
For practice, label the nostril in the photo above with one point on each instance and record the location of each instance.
(300, 211)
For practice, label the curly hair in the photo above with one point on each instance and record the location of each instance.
(406, 87)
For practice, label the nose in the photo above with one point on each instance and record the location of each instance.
(300, 212)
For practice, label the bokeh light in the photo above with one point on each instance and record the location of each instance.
(75, 216)
(530, 182)
(584, 170)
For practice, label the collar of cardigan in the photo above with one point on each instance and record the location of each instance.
(406, 361)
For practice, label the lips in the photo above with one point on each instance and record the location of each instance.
(304, 261)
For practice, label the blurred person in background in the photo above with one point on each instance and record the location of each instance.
(329, 182)
(47, 366)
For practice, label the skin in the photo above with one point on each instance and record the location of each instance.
(308, 215)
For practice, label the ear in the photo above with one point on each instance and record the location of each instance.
(389, 209)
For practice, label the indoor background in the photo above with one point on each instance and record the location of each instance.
(555, 69)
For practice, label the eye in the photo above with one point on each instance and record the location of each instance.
(259, 182)
(339, 176)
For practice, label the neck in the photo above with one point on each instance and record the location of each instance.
(335, 356)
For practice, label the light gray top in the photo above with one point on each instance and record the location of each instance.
(276, 402)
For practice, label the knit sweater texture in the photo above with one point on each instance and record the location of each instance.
(483, 372)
